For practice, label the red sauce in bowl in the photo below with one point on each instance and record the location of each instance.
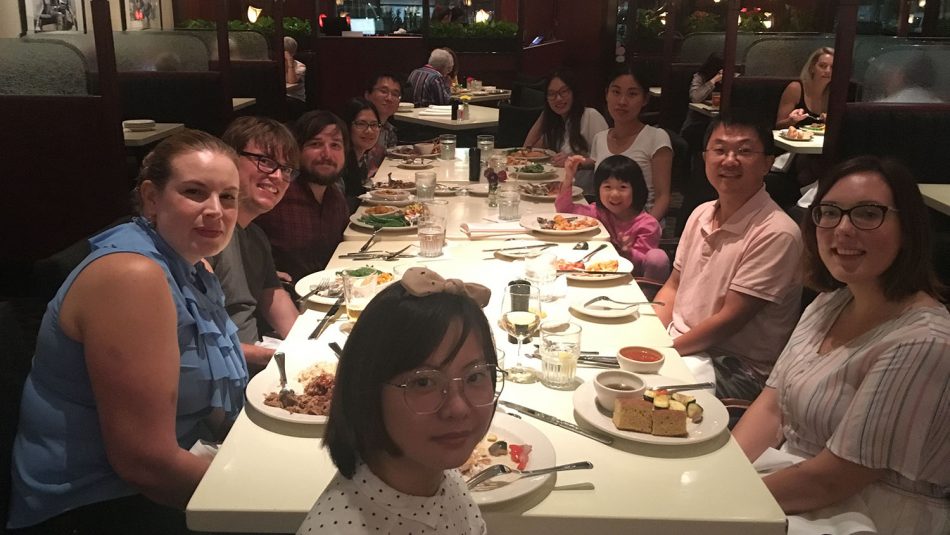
(641, 354)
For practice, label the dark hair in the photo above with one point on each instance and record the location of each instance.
(157, 165)
(353, 173)
(639, 75)
(625, 170)
(743, 119)
(374, 79)
(454, 73)
(313, 122)
(552, 124)
(396, 333)
(353, 108)
(913, 269)
(711, 66)
(269, 135)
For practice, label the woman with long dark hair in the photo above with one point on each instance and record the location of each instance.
(565, 125)
(361, 117)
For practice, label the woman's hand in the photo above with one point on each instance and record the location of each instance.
(797, 115)
(559, 159)
(717, 78)
(570, 167)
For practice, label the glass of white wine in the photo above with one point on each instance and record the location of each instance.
(520, 316)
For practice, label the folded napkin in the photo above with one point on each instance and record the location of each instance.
(773, 459)
(430, 111)
(481, 229)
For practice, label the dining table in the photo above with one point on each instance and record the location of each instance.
(239, 103)
(936, 196)
(141, 138)
(270, 469)
(484, 95)
(704, 108)
(481, 117)
(815, 145)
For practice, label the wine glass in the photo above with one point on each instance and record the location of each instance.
(520, 316)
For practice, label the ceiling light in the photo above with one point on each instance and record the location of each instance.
(253, 13)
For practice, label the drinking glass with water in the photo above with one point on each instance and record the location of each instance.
(425, 185)
(447, 146)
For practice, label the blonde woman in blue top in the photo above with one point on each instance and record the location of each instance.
(136, 360)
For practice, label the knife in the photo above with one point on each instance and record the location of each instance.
(544, 245)
(334, 308)
(558, 422)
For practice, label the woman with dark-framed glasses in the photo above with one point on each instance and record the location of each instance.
(415, 392)
(363, 119)
(860, 391)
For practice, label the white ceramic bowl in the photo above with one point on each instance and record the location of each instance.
(406, 106)
(613, 384)
(640, 359)
(425, 149)
(389, 194)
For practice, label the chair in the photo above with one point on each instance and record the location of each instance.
(514, 122)
(518, 86)
(531, 98)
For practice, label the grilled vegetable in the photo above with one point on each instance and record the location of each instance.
(695, 412)
(685, 399)
(498, 449)
(677, 406)
(661, 401)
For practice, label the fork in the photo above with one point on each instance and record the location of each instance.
(371, 239)
(496, 470)
(324, 284)
(392, 256)
(282, 370)
(626, 304)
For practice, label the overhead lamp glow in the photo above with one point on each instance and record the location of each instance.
(922, 4)
(253, 13)
(482, 16)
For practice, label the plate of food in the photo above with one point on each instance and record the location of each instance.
(795, 134)
(335, 284)
(308, 402)
(375, 202)
(611, 266)
(664, 428)
(390, 218)
(546, 191)
(606, 311)
(815, 128)
(395, 184)
(415, 163)
(524, 448)
(531, 154)
(449, 189)
(559, 223)
(402, 151)
(532, 171)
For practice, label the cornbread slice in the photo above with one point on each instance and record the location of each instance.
(668, 423)
(632, 414)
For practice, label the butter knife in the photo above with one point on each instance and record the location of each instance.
(334, 308)
(558, 422)
(543, 245)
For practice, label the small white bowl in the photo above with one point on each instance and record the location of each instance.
(389, 194)
(613, 384)
(406, 106)
(425, 149)
(640, 359)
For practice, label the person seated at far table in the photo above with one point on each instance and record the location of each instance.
(136, 360)
(565, 125)
(267, 164)
(860, 391)
(428, 82)
(385, 92)
(703, 84)
(805, 101)
(294, 71)
(308, 224)
(415, 392)
(733, 297)
(360, 169)
(622, 192)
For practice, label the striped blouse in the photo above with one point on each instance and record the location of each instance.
(882, 400)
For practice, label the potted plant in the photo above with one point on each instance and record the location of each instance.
(751, 20)
(647, 29)
(495, 36)
(703, 21)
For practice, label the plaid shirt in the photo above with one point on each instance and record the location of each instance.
(428, 87)
(303, 232)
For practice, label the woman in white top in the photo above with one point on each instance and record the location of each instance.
(415, 392)
(565, 125)
(861, 390)
(648, 146)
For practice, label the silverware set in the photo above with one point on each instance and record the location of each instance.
(624, 304)
(496, 470)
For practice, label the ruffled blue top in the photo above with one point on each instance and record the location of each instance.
(59, 459)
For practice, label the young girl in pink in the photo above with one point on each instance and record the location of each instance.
(622, 193)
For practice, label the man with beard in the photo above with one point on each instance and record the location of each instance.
(267, 165)
(305, 228)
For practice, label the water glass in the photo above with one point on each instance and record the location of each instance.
(560, 349)
(358, 291)
(486, 144)
(541, 271)
(447, 144)
(508, 205)
(431, 237)
(425, 185)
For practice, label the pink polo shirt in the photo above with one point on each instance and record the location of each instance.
(756, 252)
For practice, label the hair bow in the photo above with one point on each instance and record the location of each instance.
(420, 282)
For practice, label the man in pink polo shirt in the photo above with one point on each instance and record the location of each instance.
(734, 295)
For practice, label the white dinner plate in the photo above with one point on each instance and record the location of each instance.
(268, 381)
(624, 268)
(547, 174)
(355, 219)
(407, 165)
(446, 189)
(516, 431)
(575, 192)
(715, 416)
(530, 222)
(522, 253)
(784, 135)
(402, 151)
(368, 199)
(548, 153)
(303, 287)
(615, 312)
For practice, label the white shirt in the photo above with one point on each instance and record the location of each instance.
(366, 504)
(644, 146)
(592, 122)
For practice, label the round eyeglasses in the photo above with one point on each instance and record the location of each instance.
(266, 164)
(743, 153)
(564, 92)
(363, 126)
(425, 391)
(862, 216)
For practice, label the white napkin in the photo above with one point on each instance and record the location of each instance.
(508, 227)
(205, 449)
(430, 111)
(773, 459)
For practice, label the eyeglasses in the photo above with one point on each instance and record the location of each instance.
(743, 153)
(862, 216)
(425, 391)
(385, 92)
(363, 126)
(564, 92)
(266, 164)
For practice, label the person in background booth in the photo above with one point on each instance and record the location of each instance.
(565, 125)
(429, 85)
(701, 87)
(136, 360)
(805, 101)
(295, 71)
(859, 394)
(415, 392)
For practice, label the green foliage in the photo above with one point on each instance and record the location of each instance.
(703, 21)
(197, 24)
(296, 27)
(648, 24)
(496, 30)
(751, 20)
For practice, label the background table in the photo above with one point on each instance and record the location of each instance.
(268, 473)
(481, 117)
(239, 103)
(705, 109)
(937, 196)
(161, 131)
(499, 95)
(813, 146)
